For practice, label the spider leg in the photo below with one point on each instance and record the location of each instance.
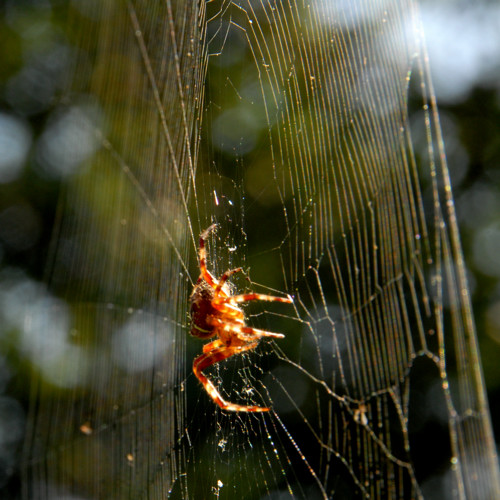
(235, 299)
(205, 273)
(240, 331)
(215, 356)
(213, 345)
(224, 278)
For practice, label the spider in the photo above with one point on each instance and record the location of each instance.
(215, 313)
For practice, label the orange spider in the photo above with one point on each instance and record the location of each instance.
(214, 312)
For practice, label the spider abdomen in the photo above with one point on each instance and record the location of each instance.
(201, 310)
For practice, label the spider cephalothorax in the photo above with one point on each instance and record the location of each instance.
(215, 313)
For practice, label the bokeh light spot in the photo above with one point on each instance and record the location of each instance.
(15, 142)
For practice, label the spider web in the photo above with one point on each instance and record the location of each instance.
(288, 124)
